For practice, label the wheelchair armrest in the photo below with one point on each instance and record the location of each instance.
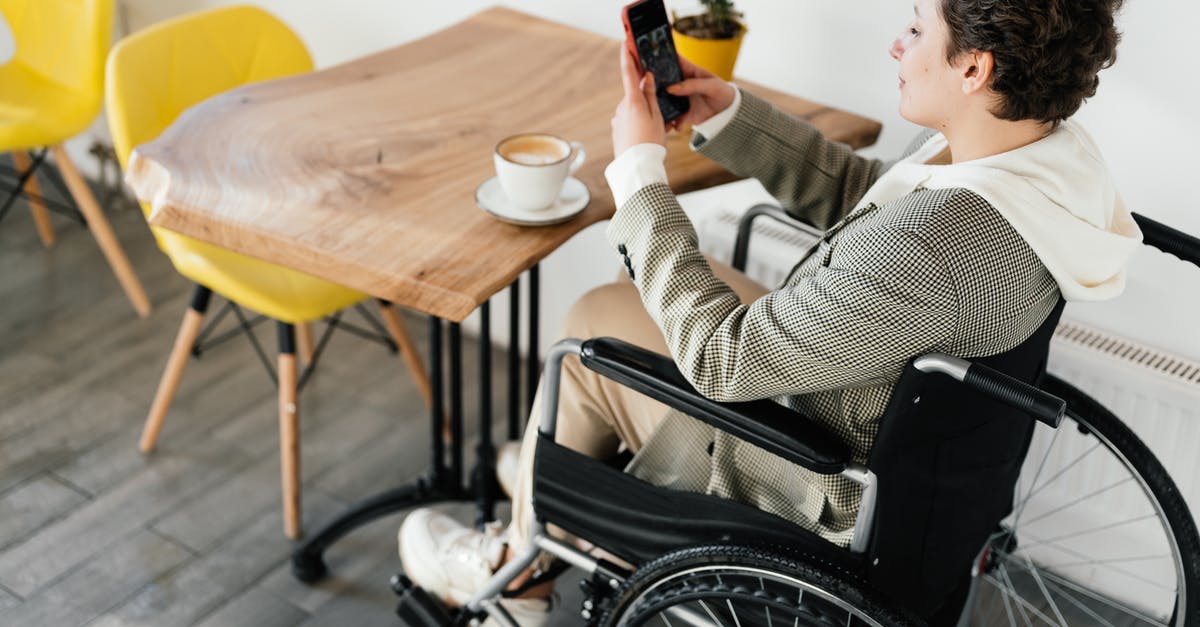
(765, 423)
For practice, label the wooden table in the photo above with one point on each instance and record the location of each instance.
(364, 174)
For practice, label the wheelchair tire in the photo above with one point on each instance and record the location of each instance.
(737, 585)
(1134, 558)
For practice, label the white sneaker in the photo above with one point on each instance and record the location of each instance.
(448, 559)
(507, 460)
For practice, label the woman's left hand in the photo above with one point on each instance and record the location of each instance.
(637, 119)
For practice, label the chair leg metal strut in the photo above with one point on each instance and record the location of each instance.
(444, 481)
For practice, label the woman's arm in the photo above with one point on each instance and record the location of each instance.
(884, 297)
(816, 180)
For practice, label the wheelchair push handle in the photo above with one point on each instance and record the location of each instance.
(1047, 408)
(1169, 240)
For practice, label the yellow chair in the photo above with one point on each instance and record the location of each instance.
(50, 91)
(153, 76)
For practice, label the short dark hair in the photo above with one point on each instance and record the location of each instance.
(1047, 52)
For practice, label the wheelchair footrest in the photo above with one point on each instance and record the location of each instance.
(417, 608)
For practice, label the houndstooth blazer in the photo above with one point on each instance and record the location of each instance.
(934, 270)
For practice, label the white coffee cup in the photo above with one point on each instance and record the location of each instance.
(532, 168)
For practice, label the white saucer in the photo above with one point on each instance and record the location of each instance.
(571, 201)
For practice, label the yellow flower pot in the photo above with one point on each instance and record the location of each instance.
(715, 55)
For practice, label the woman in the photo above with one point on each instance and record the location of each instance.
(962, 247)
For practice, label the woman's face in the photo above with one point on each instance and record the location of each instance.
(930, 87)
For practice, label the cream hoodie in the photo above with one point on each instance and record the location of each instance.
(1056, 193)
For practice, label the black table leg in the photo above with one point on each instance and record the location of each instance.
(514, 360)
(483, 477)
(456, 406)
(533, 368)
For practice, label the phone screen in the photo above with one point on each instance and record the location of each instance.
(656, 49)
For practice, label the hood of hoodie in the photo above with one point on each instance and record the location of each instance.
(1056, 193)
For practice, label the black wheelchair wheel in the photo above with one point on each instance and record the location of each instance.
(735, 585)
(1099, 534)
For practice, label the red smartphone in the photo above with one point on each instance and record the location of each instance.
(648, 37)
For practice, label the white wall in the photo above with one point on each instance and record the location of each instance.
(835, 52)
(6, 41)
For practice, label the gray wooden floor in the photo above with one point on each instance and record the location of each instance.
(93, 532)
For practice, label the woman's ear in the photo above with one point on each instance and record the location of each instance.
(977, 70)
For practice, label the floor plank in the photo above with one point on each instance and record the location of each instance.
(147, 495)
(210, 580)
(33, 505)
(129, 564)
(258, 608)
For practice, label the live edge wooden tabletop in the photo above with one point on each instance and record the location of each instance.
(365, 173)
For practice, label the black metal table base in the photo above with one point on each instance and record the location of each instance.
(445, 481)
(308, 561)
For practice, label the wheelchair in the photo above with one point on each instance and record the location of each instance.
(970, 515)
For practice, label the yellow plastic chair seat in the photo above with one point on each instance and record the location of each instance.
(35, 111)
(272, 290)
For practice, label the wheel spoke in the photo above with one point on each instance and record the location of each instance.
(1112, 603)
(1033, 491)
(1113, 560)
(1003, 597)
(1076, 534)
(714, 618)
(1079, 604)
(733, 613)
(1019, 509)
(1022, 604)
(1046, 593)
(1080, 500)
(1105, 563)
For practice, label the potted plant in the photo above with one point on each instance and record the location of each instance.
(710, 39)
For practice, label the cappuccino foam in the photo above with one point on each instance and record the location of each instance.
(533, 150)
(532, 158)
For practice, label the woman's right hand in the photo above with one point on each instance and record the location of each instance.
(707, 94)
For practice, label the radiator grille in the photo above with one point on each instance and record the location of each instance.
(1171, 366)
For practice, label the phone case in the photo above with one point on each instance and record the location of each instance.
(671, 106)
(629, 43)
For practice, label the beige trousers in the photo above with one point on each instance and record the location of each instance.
(595, 414)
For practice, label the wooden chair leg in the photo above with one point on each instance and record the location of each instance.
(102, 231)
(399, 333)
(180, 353)
(304, 342)
(41, 218)
(289, 431)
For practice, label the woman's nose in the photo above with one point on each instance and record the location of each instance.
(895, 50)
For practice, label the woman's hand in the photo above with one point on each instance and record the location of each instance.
(707, 94)
(637, 119)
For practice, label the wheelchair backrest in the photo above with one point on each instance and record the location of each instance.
(946, 461)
